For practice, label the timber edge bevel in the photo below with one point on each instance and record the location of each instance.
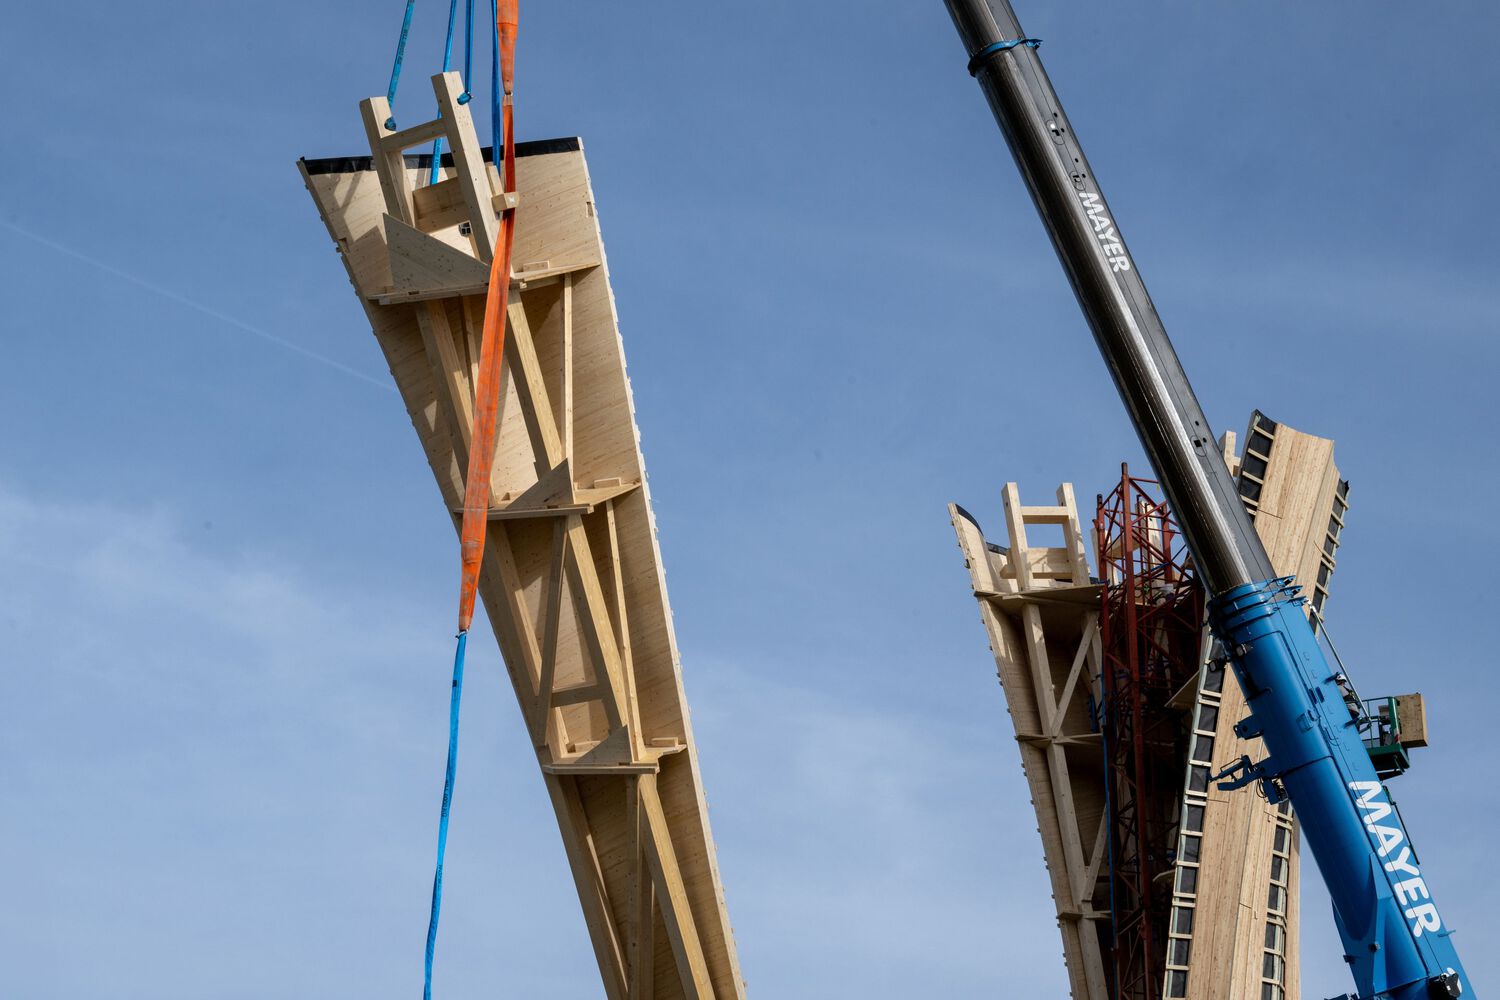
(572, 579)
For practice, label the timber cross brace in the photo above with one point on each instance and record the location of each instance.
(572, 578)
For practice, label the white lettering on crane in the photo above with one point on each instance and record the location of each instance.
(1104, 229)
(1368, 800)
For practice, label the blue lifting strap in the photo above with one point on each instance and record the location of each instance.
(979, 57)
(437, 878)
(448, 42)
(497, 135)
(468, 50)
(437, 144)
(390, 94)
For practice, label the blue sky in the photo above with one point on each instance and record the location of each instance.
(226, 585)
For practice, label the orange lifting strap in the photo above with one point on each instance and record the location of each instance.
(482, 449)
(492, 344)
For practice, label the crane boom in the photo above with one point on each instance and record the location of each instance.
(1394, 939)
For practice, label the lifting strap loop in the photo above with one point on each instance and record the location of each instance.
(467, 95)
(437, 144)
(390, 94)
(495, 131)
(976, 62)
(487, 389)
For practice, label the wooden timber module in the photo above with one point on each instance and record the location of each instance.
(1232, 923)
(572, 578)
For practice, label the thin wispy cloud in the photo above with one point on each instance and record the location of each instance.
(172, 295)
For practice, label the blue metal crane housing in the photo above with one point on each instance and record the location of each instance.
(1394, 937)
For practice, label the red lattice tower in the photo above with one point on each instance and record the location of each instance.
(1151, 633)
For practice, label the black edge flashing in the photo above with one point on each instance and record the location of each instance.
(959, 510)
(354, 164)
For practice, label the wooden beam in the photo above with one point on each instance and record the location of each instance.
(519, 281)
(567, 364)
(497, 541)
(541, 723)
(442, 204)
(1097, 855)
(594, 625)
(593, 894)
(1073, 534)
(390, 165)
(1080, 658)
(451, 374)
(641, 935)
(677, 914)
(400, 142)
(580, 767)
(578, 694)
(473, 309)
(468, 164)
(546, 445)
(622, 619)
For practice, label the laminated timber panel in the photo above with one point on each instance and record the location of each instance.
(1041, 610)
(572, 578)
(1291, 485)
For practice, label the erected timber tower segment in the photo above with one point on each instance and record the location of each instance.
(1164, 885)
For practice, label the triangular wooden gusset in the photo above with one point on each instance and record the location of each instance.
(572, 578)
(424, 267)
